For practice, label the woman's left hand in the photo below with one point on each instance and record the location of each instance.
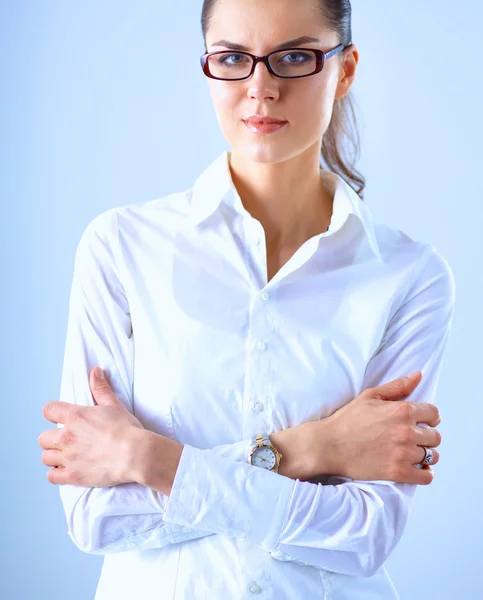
(95, 446)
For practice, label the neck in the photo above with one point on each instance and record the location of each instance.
(288, 198)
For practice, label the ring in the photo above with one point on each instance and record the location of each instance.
(428, 456)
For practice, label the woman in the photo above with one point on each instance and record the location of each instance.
(253, 435)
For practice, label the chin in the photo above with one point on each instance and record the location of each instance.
(264, 152)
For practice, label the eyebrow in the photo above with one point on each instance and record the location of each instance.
(305, 39)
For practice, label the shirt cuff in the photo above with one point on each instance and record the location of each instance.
(231, 498)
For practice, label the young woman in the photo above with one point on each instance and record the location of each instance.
(256, 433)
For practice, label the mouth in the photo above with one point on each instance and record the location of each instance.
(264, 125)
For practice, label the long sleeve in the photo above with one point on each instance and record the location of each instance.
(348, 527)
(99, 332)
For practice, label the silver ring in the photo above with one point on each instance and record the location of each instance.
(428, 456)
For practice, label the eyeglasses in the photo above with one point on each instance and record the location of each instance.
(289, 64)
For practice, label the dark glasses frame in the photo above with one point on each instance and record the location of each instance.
(320, 56)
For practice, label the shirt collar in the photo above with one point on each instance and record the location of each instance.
(215, 186)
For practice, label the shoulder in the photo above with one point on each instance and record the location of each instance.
(169, 211)
(394, 242)
(166, 213)
(425, 266)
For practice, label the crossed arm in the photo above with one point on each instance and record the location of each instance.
(346, 526)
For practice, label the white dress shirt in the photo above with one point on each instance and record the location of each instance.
(170, 297)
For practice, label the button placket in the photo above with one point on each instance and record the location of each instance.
(258, 365)
(258, 406)
(255, 231)
(255, 253)
(254, 588)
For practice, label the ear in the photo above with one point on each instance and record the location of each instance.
(347, 71)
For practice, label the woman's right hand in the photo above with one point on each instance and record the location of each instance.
(375, 436)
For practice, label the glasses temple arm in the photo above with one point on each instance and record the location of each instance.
(337, 49)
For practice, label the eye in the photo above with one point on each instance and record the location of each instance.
(303, 55)
(224, 59)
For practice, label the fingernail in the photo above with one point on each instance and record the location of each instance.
(413, 375)
(99, 374)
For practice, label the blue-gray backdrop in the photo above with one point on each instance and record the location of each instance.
(95, 116)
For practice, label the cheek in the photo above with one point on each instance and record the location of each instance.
(310, 109)
(318, 91)
(226, 104)
(316, 103)
(223, 97)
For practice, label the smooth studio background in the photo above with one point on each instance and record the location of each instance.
(104, 104)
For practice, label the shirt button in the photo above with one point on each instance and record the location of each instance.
(131, 545)
(258, 406)
(184, 528)
(261, 345)
(264, 296)
(254, 588)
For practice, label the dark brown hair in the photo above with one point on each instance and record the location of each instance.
(337, 15)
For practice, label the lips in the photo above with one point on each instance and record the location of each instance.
(263, 120)
(261, 127)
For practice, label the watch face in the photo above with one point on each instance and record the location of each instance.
(264, 457)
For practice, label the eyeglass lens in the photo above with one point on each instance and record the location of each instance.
(232, 65)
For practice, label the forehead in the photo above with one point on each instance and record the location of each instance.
(264, 22)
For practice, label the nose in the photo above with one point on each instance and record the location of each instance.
(262, 84)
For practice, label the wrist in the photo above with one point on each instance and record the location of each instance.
(138, 452)
(319, 436)
(308, 450)
(154, 460)
(296, 461)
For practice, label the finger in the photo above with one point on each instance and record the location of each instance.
(422, 476)
(58, 475)
(52, 458)
(57, 411)
(50, 439)
(396, 389)
(426, 412)
(100, 389)
(417, 456)
(431, 438)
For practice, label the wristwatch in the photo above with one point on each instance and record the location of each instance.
(263, 453)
